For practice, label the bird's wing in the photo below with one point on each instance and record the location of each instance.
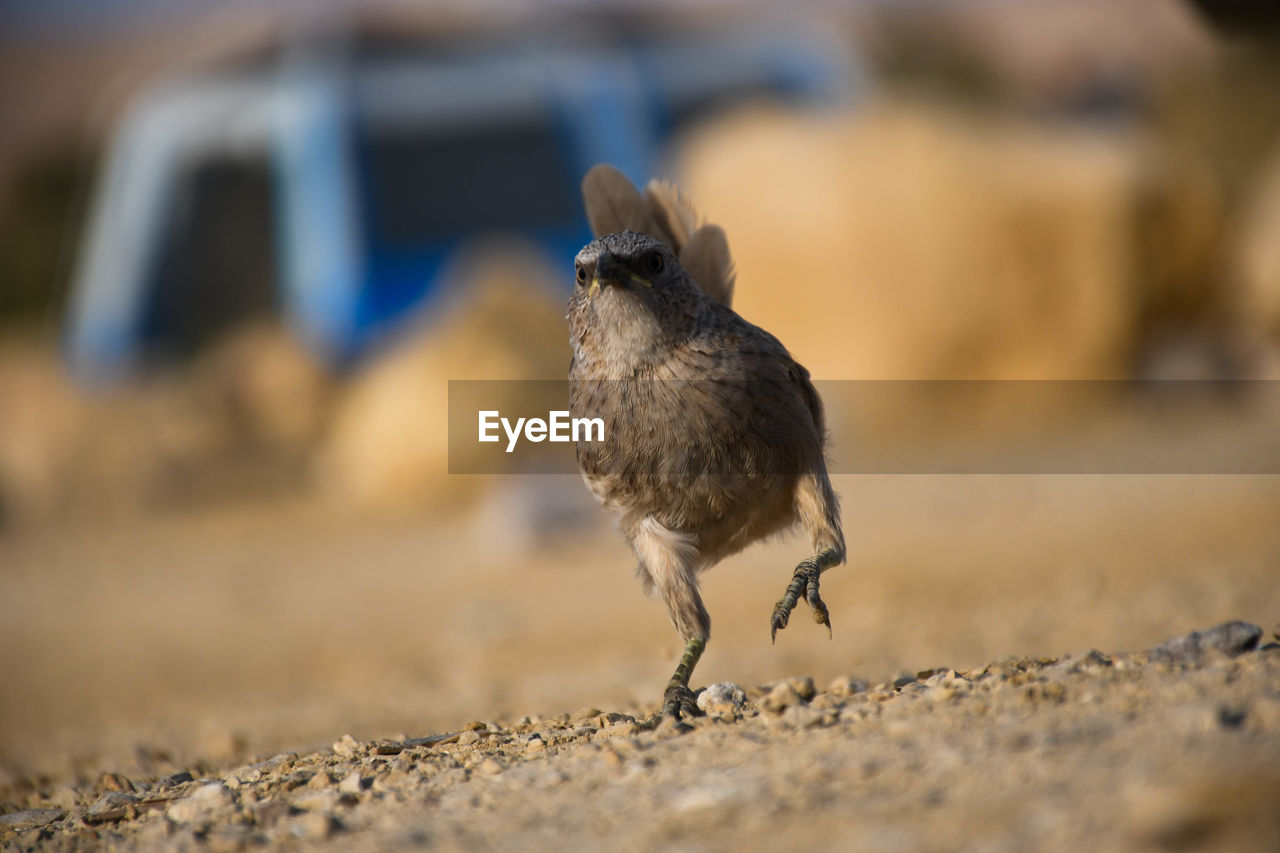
(800, 376)
(613, 204)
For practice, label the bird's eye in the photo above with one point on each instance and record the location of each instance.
(654, 262)
(582, 275)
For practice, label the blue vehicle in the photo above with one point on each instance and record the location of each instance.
(333, 184)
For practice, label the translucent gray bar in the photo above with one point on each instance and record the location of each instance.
(920, 427)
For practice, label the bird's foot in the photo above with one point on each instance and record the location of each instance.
(803, 583)
(679, 704)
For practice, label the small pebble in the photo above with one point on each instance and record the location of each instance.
(846, 686)
(64, 798)
(201, 804)
(271, 812)
(313, 826)
(320, 781)
(352, 784)
(31, 818)
(804, 687)
(725, 699)
(115, 782)
(781, 697)
(110, 807)
(803, 717)
(346, 746)
(318, 801)
(227, 839)
(1231, 638)
(488, 767)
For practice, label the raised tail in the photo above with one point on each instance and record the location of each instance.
(613, 204)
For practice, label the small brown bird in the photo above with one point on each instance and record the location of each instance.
(713, 435)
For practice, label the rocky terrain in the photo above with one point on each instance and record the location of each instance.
(1177, 747)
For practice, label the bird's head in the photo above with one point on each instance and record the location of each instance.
(631, 297)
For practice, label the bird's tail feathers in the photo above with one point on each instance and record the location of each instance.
(614, 204)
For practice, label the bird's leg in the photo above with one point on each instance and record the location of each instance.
(679, 700)
(805, 583)
(669, 561)
(819, 511)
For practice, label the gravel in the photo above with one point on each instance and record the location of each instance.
(1174, 748)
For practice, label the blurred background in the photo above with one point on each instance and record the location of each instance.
(244, 246)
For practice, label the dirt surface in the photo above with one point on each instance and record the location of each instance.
(1177, 748)
(148, 650)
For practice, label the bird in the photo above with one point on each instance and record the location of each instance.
(714, 436)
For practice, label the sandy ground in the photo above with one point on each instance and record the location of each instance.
(200, 642)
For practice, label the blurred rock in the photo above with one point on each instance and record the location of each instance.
(1257, 258)
(389, 448)
(909, 241)
(346, 746)
(31, 818)
(40, 423)
(354, 783)
(725, 699)
(313, 827)
(803, 686)
(201, 804)
(115, 782)
(780, 697)
(235, 423)
(320, 781)
(1231, 638)
(270, 389)
(111, 807)
(846, 686)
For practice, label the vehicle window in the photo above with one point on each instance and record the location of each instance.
(217, 262)
(428, 185)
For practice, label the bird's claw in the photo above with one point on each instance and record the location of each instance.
(679, 703)
(804, 581)
(820, 613)
(781, 615)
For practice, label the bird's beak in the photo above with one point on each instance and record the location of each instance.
(610, 272)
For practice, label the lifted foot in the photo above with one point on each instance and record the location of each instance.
(804, 582)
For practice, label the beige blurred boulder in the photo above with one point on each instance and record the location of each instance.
(916, 241)
(388, 448)
(232, 425)
(1257, 257)
(65, 451)
(266, 386)
(41, 419)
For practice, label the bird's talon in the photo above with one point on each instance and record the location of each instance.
(804, 581)
(821, 614)
(679, 704)
(781, 615)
